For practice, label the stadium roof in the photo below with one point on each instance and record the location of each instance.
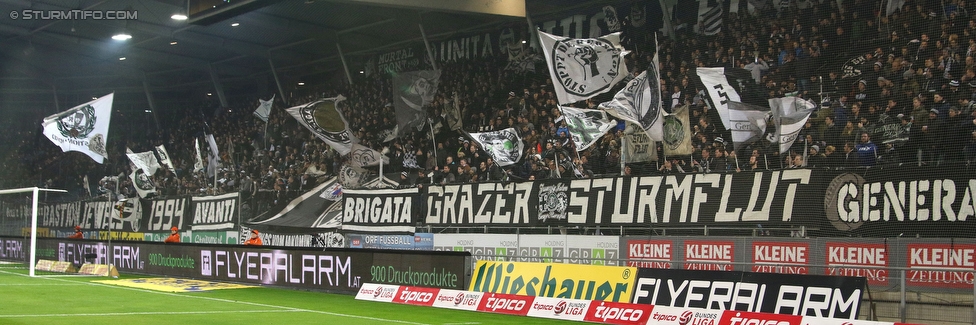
(301, 37)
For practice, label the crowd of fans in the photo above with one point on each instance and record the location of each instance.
(908, 100)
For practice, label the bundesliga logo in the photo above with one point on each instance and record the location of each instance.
(459, 298)
(560, 307)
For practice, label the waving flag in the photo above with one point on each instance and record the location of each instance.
(636, 145)
(411, 92)
(83, 128)
(583, 68)
(198, 163)
(505, 146)
(144, 161)
(586, 126)
(325, 120)
(264, 108)
(790, 114)
(640, 102)
(142, 183)
(748, 122)
(164, 158)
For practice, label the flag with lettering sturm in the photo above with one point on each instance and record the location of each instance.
(583, 68)
(83, 128)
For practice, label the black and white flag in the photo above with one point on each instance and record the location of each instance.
(748, 123)
(583, 68)
(452, 113)
(144, 161)
(505, 146)
(411, 92)
(143, 184)
(319, 208)
(724, 85)
(164, 159)
(586, 126)
(362, 156)
(83, 128)
(640, 102)
(264, 108)
(790, 114)
(198, 162)
(324, 118)
(710, 16)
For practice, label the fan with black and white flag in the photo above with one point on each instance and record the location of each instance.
(362, 156)
(142, 183)
(586, 126)
(505, 146)
(677, 133)
(636, 145)
(583, 68)
(640, 101)
(198, 162)
(724, 85)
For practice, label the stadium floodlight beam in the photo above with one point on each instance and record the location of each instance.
(178, 17)
(123, 36)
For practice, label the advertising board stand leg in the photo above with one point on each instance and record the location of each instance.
(901, 304)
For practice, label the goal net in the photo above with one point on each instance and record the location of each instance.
(19, 225)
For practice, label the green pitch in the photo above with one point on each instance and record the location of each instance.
(62, 299)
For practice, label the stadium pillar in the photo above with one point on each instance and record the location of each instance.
(149, 98)
(274, 73)
(218, 87)
(430, 53)
(345, 67)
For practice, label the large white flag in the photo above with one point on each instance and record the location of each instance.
(198, 163)
(583, 68)
(677, 133)
(164, 158)
(83, 128)
(214, 150)
(586, 126)
(505, 146)
(264, 108)
(748, 122)
(789, 114)
(325, 120)
(144, 161)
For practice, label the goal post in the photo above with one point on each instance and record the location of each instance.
(33, 223)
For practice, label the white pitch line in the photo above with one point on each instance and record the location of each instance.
(151, 313)
(232, 301)
(39, 284)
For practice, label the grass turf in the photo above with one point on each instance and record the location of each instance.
(63, 299)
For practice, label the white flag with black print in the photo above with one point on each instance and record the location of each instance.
(83, 128)
(362, 156)
(710, 16)
(583, 68)
(144, 161)
(640, 101)
(198, 163)
(790, 114)
(164, 158)
(722, 86)
(586, 126)
(264, 108)
(504, 146)
(324, 118)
